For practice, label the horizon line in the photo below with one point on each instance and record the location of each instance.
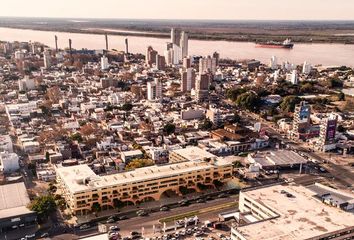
(177, 19)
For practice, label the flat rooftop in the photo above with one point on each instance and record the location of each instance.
(81, 178)
(13, 200)
(278, 158)
(194, 153)
(300, 217)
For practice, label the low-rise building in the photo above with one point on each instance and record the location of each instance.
(13, 207)
(83, 189)
(190, 154)
(127, 156)
(287, 212)
(9, 162)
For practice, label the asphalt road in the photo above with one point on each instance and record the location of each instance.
(136, 224)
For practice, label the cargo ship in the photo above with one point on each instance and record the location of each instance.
(273, 44)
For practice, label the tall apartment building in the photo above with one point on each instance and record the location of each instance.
(306, 68)
(178, 47)
(328, 128)
(150, 56)
(207, 64)
(184, 44)
(273, 63)
(83, 189)
(154, 89)
(187, 80)
(282, 212)
(302, 121)
(104, 63)
(202, 87)
(160, 62)
(47, 59)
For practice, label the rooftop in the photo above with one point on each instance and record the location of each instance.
(277, 158)
(13, 200)
(194, 153)
(300, 217)
(81, 178)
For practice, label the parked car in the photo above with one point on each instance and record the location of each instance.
(114, 228)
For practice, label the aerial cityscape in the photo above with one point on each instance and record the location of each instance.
(173, 120)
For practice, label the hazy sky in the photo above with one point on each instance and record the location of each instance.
(182, 9)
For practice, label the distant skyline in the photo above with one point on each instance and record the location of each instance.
(183, 9)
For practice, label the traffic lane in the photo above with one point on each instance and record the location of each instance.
(147, 221)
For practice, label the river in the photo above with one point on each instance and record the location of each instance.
(325, 54)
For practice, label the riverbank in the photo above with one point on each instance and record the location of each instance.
(204, 36)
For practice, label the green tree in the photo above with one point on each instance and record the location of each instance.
(334, 83)
(169, 128)
(341, 96)
(249, 101)
(206, 125)
(96, 207)
(289, 102)
(43, 206)
(127, 107)
(232, 94)
(76, 137)
(139, 163)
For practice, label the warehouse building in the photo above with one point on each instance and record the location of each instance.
(13, 207)
(289, 212)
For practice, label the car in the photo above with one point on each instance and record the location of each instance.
(183, 203)
(84, 226)
(45, 235)
(30, 236)
(198, 233)
(110, 220)
(189, 231)
(135, 233)
(164, 209)
(201, 200)
(114, 228)
(123, 217)
(142, 213)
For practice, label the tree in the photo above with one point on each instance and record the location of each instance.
(334, 83)
(249, 101)
(341, 96)
(289, 102)
(169, 128)
(127, 107)
(76, 137)
(96, 207)
(232, 94)
(43, 206)
(139, 163)
(206, 125)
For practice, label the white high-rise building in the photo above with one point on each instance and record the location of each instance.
(273, 63)
(169, 56)
(177, 54)
(184, 44)
(187, 80)
(294, 78)
(104, 63)
(207, 64)
(306, 68)
(47, 59)
(154, 89)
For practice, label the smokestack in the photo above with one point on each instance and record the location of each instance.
(71, 52)
(126, 46)
(106, 42)
(56, 43)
